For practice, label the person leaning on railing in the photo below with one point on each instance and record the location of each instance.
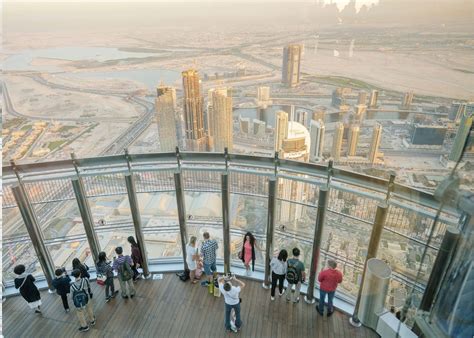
(328, 279)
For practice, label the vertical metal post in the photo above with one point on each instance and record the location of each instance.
(225, 221)
(137, 221)
(181, 214)
(272, 191)
(86, 216)
(34, 231)
(440, 266)
(318, 233)
(380, 216)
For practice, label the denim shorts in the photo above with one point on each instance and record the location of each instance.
(209, 268)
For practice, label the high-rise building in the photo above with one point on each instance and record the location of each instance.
(245, 125)
(165, 106)
(407, 100)
(461, 135)
(318, 115)
(457, 110)
(291, 65)
(375, 143)
(263, 93)
(352, 141)
(362, 99)
(220, 122)
(337, 97)
(259, 128)
(337, 141)
(281, 130)
(296, 146)
(302, 117)
(195, 134)
(374, 95)
(317, 131)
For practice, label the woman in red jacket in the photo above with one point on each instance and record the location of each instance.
(328, 281)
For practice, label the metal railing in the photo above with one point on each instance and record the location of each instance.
(352, 203)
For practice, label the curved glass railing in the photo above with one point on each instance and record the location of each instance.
(350, 214)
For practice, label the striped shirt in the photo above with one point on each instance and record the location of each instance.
(208, 251)
(120, 260)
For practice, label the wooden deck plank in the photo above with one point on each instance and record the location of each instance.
(171, 308)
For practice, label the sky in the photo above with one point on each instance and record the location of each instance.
(340, 3)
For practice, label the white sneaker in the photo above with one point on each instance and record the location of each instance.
(249, 272)
(272, 298)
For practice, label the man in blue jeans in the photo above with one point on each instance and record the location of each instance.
(232, 301)
(208, 253)
(328, 279)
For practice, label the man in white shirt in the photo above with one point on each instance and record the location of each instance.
(232, 300)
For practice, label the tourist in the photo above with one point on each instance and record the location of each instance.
(62, 284)
(208, 253)
(136, 257)
(278, 266)
(232, 301)
(328, 282)
(247, 254)
(104, 268)
(84, 269)
(295, 275)
(191, 258)
(123, 266)
(82, 301)
(28, 290)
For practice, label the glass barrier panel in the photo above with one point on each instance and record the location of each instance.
(158, 209)
(215, 231)
(59, 219)
(163, 244)
(109, 240)
(63, 254)
(12, 223)
(19, 253)
(113, 209)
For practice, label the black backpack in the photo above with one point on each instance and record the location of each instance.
(79, 295)
(292, 274)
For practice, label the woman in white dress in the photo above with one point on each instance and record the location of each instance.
(191, 258)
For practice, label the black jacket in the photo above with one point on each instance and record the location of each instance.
(28, 289)
(62, 285)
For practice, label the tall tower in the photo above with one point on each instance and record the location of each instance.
(352, 142)
(337, 141)
(290, 75)
(195, 134)
(317, 131)
(220, 119)
(302, 117)
(407, 100)
(374, 95)
(263, 93)
(165, 106)
(461, 135)
(281, 129)
(362, 99)
(374, 145)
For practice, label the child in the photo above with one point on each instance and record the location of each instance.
(28, 290)
(62, 284)
(82, 301)
(83, 268)
(104, 268)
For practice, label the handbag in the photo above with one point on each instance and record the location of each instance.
(101, 279)
(240, 255)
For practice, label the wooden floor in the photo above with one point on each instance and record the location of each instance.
(171, 308)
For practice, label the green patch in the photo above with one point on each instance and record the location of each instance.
(7, 124)
(55, 144)
(66, 128)
(26, 127)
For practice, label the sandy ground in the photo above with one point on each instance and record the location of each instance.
(112, 85)
(31, 98)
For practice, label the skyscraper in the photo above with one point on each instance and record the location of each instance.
(407, 100)
(362, 99)
(337, 141)
(195, 134)
(165, 106)
(263, 97)
(374, 144)
(352, 142)
(259, 128)
(245, 125)
(302, 117)
(374, 95)
(220, 119)
(291, 65)
(281, 130)
(461, 135)
(317, 131)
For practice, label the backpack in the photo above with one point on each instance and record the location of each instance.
(79, 295)
(126, 272)
(292, 274)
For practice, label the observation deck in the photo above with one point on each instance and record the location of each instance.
(57, 211)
